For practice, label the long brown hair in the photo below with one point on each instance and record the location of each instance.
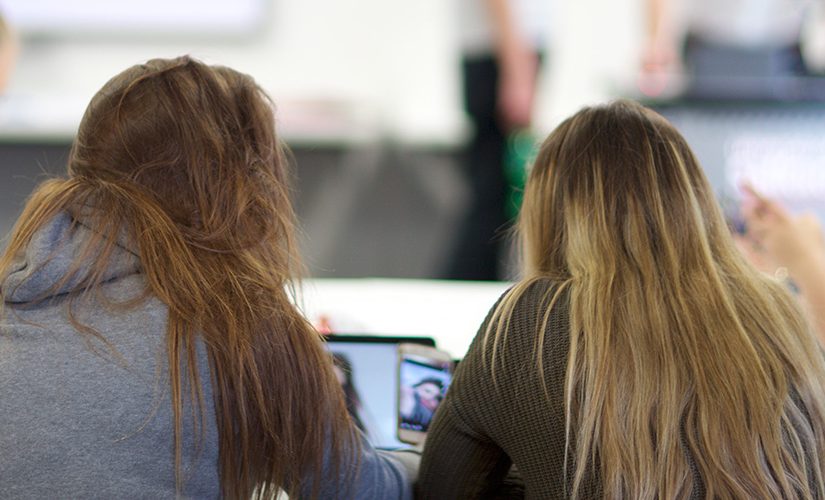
(183, 159)
(681, 354)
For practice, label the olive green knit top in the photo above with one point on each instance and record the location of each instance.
(484, 427)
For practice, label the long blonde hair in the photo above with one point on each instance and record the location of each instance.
(183, 159)
(681, 354)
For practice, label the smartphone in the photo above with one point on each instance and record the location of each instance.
(424, 374)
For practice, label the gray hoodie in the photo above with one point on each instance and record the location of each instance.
(76, 422)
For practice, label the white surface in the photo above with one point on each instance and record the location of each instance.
(448, 311)
(392, 61)
(396, 60)
(85, 17)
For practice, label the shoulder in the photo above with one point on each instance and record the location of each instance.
(530, 321)
(497, 377)
(531, 309)
(84, 338)
(526, 304)
(541, 292)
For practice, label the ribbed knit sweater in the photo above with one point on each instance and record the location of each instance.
(483, 427)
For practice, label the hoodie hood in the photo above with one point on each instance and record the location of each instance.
(49, 258)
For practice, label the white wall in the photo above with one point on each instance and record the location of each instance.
(394, 61)
(596, 55)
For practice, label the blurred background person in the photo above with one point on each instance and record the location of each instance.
(8, 51)
(727, 48)
(502, 43)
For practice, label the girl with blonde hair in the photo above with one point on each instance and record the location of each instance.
(640, 356)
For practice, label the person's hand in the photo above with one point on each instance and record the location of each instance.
(794, 242)
(661, 72)
(755, 254)
(517, 89)
(661, 69)
(517, 65)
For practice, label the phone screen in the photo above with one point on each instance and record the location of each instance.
(422, 385)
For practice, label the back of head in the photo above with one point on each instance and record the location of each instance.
(682, 355)
(182, 159)
(197, 141)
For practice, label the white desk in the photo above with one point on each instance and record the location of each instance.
(448, 311)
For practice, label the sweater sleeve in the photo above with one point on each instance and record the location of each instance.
(489, 424)
(458, 462)
(381, 475)
(370, 473)
(460, 459)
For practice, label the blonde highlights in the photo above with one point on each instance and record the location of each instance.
(688, 371)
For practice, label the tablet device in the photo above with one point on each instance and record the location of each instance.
(367, 367)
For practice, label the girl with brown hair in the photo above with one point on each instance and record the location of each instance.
(148, 343)
(640, 356)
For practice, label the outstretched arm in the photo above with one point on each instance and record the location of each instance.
(660, 45)
(518, 66)
(661, 60)
(795, 243)
(8, 52)
(459, 462)
(365, 472)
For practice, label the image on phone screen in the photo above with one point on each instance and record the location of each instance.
(422, 385)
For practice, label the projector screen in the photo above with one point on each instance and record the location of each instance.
(147, 17)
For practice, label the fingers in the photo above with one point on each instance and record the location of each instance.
(767, 222)
(758, 209)
(754, 205)
(762, 224)
(750, 191)
(775, 238)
